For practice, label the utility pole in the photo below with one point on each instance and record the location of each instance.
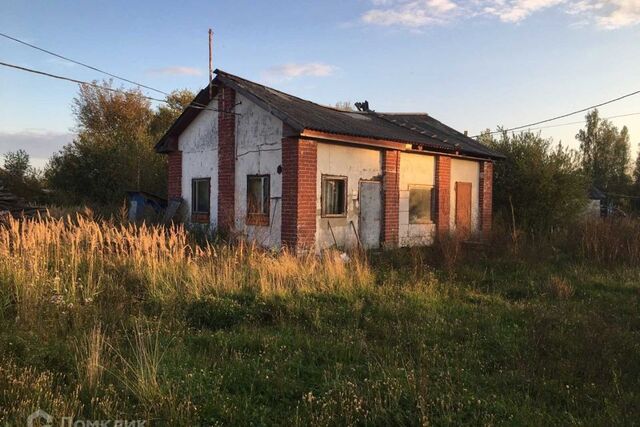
(210, 63)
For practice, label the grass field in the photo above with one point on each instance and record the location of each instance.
(102, 321)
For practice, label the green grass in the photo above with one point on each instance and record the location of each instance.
(491, 344)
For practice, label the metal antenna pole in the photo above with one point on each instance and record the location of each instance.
(210, 63)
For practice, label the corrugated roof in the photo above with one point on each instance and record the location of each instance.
(300, 114)
(427, 125)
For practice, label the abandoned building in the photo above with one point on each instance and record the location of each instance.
(281, 170)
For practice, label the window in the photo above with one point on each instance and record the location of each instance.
(200, 199)
(334, 196)
(420, 204)
(258, 199)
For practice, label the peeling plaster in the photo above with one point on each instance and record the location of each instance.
(199, 146)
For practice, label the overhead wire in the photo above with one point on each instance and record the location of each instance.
(582, 110)
(576, 122)
(91, 67)
(205, 107)
(110, 89)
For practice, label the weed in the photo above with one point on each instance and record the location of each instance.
(420, 336)
(560, 287)
(90, 358)
(140, 373)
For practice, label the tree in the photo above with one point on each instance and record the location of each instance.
(540, 184)
(114, 148)
(344, 106)
(166, 114)
(636, 182)
(605, 153)
(16, 164)
(636, 171)
(22, 179)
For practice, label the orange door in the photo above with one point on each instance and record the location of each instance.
(463, 208)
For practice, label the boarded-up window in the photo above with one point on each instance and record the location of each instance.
(334, 196)
(258, 198)
(420, 204)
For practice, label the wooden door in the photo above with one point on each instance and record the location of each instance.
(463, 208)
(370, 214)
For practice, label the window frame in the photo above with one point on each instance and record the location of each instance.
(196, 215)
(259, 218)
(343, 178)
(430, 220)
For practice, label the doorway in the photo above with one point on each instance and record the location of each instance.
(463, 208)
(370, 220)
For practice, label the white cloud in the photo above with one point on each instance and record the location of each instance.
(176, 71)
(617, 13)
(517, 10)
(292, 70)
(39, 143)
(414, 14)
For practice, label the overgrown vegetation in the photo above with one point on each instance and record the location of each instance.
(538, 186)
(19, 177)
(107, 321)
(114, 148)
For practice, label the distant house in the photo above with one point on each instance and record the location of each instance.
(285, 171)
(597, 205)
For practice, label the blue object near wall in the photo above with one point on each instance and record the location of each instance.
(141, 202)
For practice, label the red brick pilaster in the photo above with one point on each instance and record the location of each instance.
(299, 181)
(226, 157)
(174, 174)
(486, 197)
(443, 193)
(391, 197)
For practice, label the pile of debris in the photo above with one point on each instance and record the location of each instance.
(16, 207)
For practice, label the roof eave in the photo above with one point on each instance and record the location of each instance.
(294, 124)
(166, 143)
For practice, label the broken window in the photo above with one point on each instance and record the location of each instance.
(334, 196)
(420, 204)
(200, 199)
(258, 198)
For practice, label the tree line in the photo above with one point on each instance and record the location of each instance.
(112, 152)
(539, 185)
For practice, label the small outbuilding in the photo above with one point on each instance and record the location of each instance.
(285, 171)
(597, 205)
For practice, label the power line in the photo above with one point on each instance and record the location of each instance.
(205, 107)
(582, 121)
(55, 76)
(115, 76)
(567, 114)
(82, 64)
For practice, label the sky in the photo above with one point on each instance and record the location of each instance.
(473, 64)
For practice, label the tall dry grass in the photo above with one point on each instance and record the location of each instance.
(90, 358)
(74, 260)
(140, 372)
(609, 241)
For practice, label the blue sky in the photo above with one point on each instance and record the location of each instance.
(473, 64)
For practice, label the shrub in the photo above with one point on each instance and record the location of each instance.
(609, 241)
(449, 248)
(538, 186)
